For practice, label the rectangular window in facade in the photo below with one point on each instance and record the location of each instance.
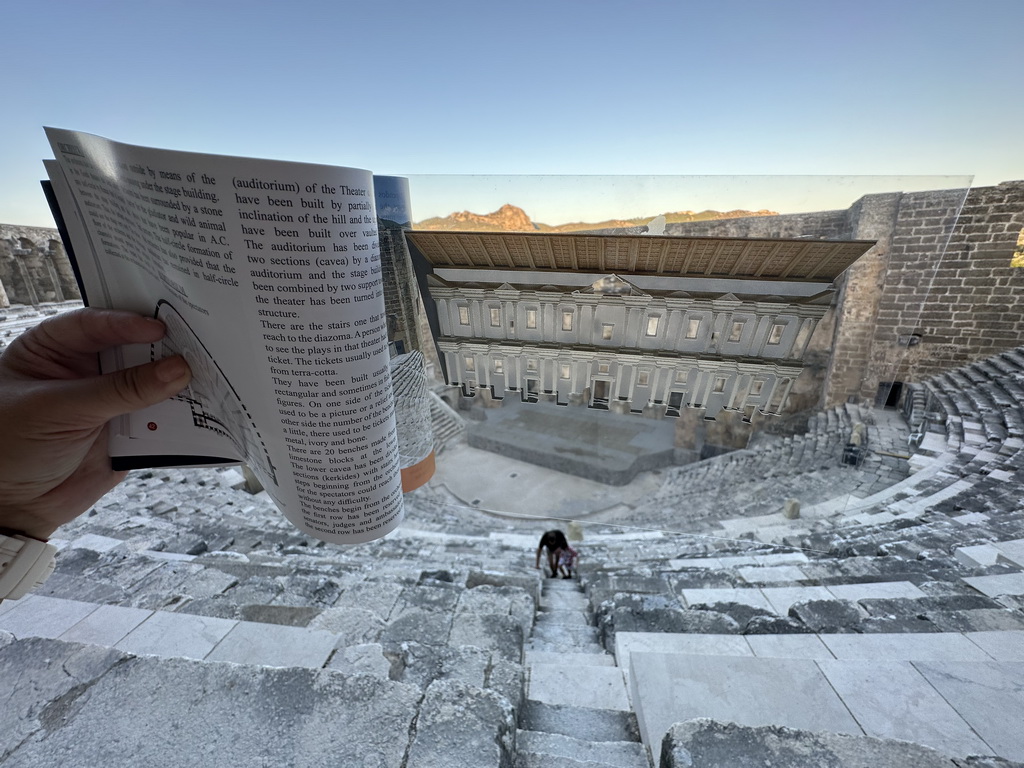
(463, 315)
(531, 366)
(719, 384)
(470, 364)
(606, 331)
(531, 318)
(652, 326)
(737, 331)
(692, 327)
(495, 316)
(680, 377)
(755, 388)
(604, 367)
(567, 321)
(775, 335)
(643, 379)
(499, 366)
(565, 371)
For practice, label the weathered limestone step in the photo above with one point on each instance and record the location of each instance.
(900, 646)
(596, 687)
(597, 658)
(601, 725)
(554, 600)
(957, 707)
(563, 618)
(564, 645)
(1011, 552)
(735, 561)
(994, 586)
(562, 633)
(710, 744)
(170, 635)
(86, 705)
(536, 749)
(781, 599)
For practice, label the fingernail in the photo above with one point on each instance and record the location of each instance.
(152, 324)
(171, 369)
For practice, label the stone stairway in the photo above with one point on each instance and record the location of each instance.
(448, 425)
(577, 713)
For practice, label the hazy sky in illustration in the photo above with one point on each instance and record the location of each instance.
(616, 96)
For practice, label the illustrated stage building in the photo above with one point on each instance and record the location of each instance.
(629, 323)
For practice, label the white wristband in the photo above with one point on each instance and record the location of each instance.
(25, 563)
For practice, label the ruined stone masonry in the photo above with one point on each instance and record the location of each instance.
(34, 267)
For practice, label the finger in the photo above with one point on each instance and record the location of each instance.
(97, 399)
(57, 346)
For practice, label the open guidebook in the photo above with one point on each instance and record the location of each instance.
(267, 276)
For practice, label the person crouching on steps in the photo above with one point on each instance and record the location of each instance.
(552, 541)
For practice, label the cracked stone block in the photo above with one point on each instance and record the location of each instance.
(365, 659)
(500, 634)
(353, 626)
(827, 615)
(44, 678)
(259, 715)
(710, 744)
(417, 625)
(481, 722)
(423, 664)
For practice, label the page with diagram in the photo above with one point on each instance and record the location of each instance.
(267, 276)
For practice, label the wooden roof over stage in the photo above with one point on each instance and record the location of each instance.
(736, 257)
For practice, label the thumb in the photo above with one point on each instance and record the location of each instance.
(104, 397)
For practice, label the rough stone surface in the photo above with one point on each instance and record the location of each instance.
(658, 613)
(581, 723)
(501, 634)
(116, 710)
(480, 723)
(353, 626)
(548, 747)
(827, 615)
(706, 743)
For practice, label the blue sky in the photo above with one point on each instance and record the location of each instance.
(558, 88)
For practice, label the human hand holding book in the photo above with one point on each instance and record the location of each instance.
(267, 275)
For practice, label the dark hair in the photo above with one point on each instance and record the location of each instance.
(554, 540)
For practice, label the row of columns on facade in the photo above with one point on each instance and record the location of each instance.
(779, 378)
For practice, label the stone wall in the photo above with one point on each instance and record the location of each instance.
(34, 267)
(951, 305)
(401, 298)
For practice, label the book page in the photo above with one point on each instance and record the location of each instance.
(267, 275)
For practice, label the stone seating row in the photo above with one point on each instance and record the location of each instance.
(18, 318)
(958, 693)
(362, 619)
(755, 483)
(448, 425)
(92, 705)
(850, 617)
(981, 419)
